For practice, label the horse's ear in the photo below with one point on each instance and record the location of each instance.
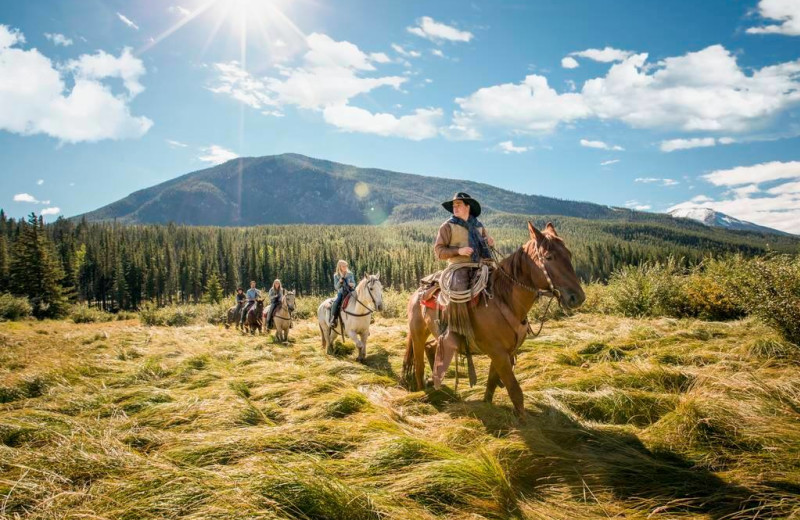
(378, 276)
(551, 229)
(535, 233)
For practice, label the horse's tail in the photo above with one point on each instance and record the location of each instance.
(408, 362)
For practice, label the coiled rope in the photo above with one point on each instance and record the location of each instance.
(464, 296)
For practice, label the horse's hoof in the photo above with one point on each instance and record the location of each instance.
(429, 383)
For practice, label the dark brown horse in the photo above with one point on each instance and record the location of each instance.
(252, 321)
(234, 316)
(543, 263)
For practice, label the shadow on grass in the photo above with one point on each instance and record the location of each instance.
(556, 449)
(378, 362)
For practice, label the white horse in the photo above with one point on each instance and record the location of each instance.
(366, 299)
(282, 317)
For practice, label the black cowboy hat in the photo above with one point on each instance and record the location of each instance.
(474, 205)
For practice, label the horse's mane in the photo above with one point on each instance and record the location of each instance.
(513, 266)
(364, 281)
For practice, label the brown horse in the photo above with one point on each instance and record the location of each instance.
(542, 264)
(252, 321)
(234, 316)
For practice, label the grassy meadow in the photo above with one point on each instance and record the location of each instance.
(627, 418)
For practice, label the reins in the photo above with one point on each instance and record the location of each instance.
(355, 297)
(552, 292)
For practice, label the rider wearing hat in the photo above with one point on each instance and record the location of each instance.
(461, 239)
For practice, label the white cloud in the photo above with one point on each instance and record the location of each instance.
(651, 180)
(127, 21)
(699, 91)
(684, 144)
(51, 211)
(756, 174)
(604, 55)
(437, 52)
(778, 207)
(507, 147)
(609, 162)
(403, 52)
(636, 205)
(35, 99)
(787, 187)
(331, 74)
(58, 39)
(179, 9)
(25, 197)
(744, 191)
(422, 124)
(103, 65)
(175, 144)
(379, 57)
(216, 154)
(10, 37)
(432, 30)
(785, 11)
(569, 63)
(40, 182)
(600, 145)
(531, 105)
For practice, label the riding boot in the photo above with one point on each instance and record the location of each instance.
(448, 344)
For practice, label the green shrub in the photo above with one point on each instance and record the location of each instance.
(306, 306)
(85, 314)
(648, 290)
(14, 308)
(772, 293)
(711, 289)
(395, 303)
(171, 316)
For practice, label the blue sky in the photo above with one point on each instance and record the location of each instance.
(649, 105)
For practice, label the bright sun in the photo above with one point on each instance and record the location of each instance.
(252, 22)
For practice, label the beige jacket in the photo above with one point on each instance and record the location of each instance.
(449, 239)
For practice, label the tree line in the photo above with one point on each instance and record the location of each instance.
(115, 266)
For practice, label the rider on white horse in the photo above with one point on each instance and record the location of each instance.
(343, 283)
(275, 297)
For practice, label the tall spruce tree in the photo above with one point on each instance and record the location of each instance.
(213, 290)
(35, 272)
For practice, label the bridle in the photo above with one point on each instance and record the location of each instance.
(542, 265)
(369, 284)
(554, 293)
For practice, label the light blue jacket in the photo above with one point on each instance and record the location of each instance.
(338, 281)
(252, 294)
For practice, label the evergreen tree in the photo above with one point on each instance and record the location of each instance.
(34, 271)
(213, 290)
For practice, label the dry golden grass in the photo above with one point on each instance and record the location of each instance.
(650, 418)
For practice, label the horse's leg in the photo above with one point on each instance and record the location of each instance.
(364, 337)
(505, 369)
(491, 384)
(354, 336)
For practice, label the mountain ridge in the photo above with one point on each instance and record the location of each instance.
(292, 188)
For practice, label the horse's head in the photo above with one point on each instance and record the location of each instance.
(548, 251)
(289, 298)
(372, 283)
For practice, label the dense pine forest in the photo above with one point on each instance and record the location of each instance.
(116, 266)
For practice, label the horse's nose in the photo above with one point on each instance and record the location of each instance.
(576, 299)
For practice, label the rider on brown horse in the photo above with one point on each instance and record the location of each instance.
(252, 295)
(462, 239)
